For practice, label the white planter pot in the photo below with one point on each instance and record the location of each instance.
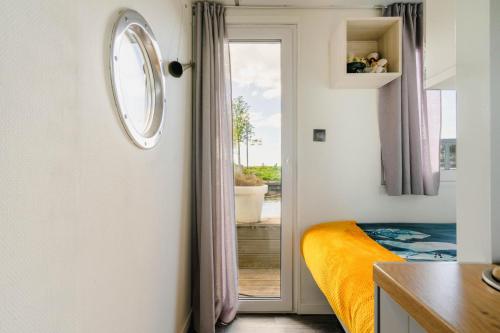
(249, 201)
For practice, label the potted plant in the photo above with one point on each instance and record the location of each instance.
(249, 197)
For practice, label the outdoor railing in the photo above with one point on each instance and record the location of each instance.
(448, 154)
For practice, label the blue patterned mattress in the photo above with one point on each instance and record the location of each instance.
(416, 241)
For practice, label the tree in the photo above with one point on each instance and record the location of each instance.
(242, 128)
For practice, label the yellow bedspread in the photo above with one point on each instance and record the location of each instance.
(340, 257)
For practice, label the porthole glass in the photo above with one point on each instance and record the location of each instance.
(137, 78)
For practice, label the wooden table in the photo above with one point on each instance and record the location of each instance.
(442, 297)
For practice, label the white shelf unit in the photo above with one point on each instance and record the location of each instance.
(362, 36)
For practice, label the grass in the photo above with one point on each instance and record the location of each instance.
(265, 172)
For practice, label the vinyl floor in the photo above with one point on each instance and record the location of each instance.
(254, 323)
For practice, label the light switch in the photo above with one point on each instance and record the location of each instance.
(319, 135)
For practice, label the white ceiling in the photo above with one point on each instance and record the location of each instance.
(314, 3)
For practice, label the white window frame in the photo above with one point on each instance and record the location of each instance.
(446, 175)
(287, 35)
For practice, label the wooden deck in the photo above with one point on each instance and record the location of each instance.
(259, 282)
(259, 258)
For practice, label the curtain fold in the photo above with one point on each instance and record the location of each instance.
(215, 293)
(410, 117)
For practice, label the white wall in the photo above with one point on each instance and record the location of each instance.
(478, 196)
(440, 44)
(495, 131)
(94, 232)
(339, 179)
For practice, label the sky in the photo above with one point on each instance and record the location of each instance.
(256, 75)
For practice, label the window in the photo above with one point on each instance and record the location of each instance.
(448, 149)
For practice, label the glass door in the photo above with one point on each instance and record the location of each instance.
(261, 73)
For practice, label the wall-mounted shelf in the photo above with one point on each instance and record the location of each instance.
(362, 36)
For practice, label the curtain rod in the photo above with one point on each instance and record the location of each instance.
(302, 7)
(238, 6)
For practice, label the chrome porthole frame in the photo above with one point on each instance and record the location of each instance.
(131, 22)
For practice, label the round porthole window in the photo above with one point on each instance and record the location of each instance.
(137, 79)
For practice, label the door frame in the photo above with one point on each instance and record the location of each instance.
(287, 35)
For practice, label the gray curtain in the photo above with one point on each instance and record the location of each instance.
(409, 117)
(215, 293)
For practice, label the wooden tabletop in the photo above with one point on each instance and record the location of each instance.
(442, 297)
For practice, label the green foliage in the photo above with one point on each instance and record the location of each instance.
(265, 172)
(243, 130)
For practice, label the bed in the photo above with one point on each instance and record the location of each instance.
(340, 257)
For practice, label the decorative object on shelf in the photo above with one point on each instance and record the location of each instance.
(492, 277)
(369, 64)
(138, 79)
(373, 57)
(356, 64)
(356, 67)
(379, 66)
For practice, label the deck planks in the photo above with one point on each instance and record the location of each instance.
(259, 282)
(259, 258)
